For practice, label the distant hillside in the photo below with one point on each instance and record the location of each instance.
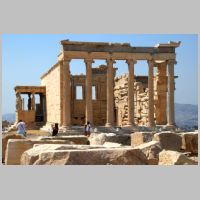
(10, 117)
(186, 115)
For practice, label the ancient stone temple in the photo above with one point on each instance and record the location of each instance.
(104, 100)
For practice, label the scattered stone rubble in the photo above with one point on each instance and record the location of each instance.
(138, 148)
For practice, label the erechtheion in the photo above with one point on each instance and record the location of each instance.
(105, 100)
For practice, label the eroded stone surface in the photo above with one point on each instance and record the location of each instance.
(16, 147)
(190, 142)
(174, 158)
(59, 155)
(5, 141)
(138, 138)
(151, 150)
(168, 140)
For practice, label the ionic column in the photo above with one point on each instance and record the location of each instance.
(110, 93)
(151, 122)
(88, 92)
(66, 94)
(170, 95)
(131, 63)
(33, 101)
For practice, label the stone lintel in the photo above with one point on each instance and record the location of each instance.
(30, 89)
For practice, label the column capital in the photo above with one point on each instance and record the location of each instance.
(66, 61)
(151, 62)
(110, 60)
(131, 61)
(171, 62)
(88, 60)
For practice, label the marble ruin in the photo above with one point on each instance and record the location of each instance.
(105, 100)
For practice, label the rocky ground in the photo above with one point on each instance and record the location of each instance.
(137, 148)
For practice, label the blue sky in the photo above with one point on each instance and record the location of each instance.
(26, 57)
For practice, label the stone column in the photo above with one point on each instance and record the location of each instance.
(151, 122)
(88, 91)
(131, 109)
(33, 101)
(160, 93)
(170, 96)
(110, 93)
(18, 102)
(66, 94)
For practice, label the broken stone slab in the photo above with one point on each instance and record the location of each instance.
(151, 150)
(40, 155)
(138, 138)
(76, 139)
(5, 139)
(112, 144)
(168, 140)
(168, 157)
(16, 147)
(101, 138)
(190, 141)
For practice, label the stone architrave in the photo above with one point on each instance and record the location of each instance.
(110, 93)
(131, 63)
(151, 122)
(170, 96)
(18, 102)
(88, 96)
(66, 94)
(32, 101)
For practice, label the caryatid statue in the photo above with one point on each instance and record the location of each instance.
(32, 101)
(18, 102)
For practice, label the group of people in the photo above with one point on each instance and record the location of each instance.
(21, 129)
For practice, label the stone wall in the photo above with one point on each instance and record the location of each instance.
(99, 105)
(53, 94)
(121, 101)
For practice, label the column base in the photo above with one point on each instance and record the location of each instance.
(151, 125)
(171, 126)
(131, 125)
(108, 125)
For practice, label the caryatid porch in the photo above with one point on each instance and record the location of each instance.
(162, 56)
(33, 112)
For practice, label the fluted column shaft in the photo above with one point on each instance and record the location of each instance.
(131, 92)
(88, 92)
(66, 94)
(151, 122)
(110, 93)
(170, 95)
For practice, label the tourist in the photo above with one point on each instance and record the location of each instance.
(54, 129)
(21, 128)
(87, 129)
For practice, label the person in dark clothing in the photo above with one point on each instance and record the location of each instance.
(55, 129)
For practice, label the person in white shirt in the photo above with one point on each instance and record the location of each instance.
(21, 128)
(87, 129)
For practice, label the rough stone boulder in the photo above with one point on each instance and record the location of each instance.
(97, 139)
(16, 147)
(168, 140)
(151, 150)
(5, 139)
(190, 142)
(138, 138)
(76, 139)
(60, 155)
(174, 158)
